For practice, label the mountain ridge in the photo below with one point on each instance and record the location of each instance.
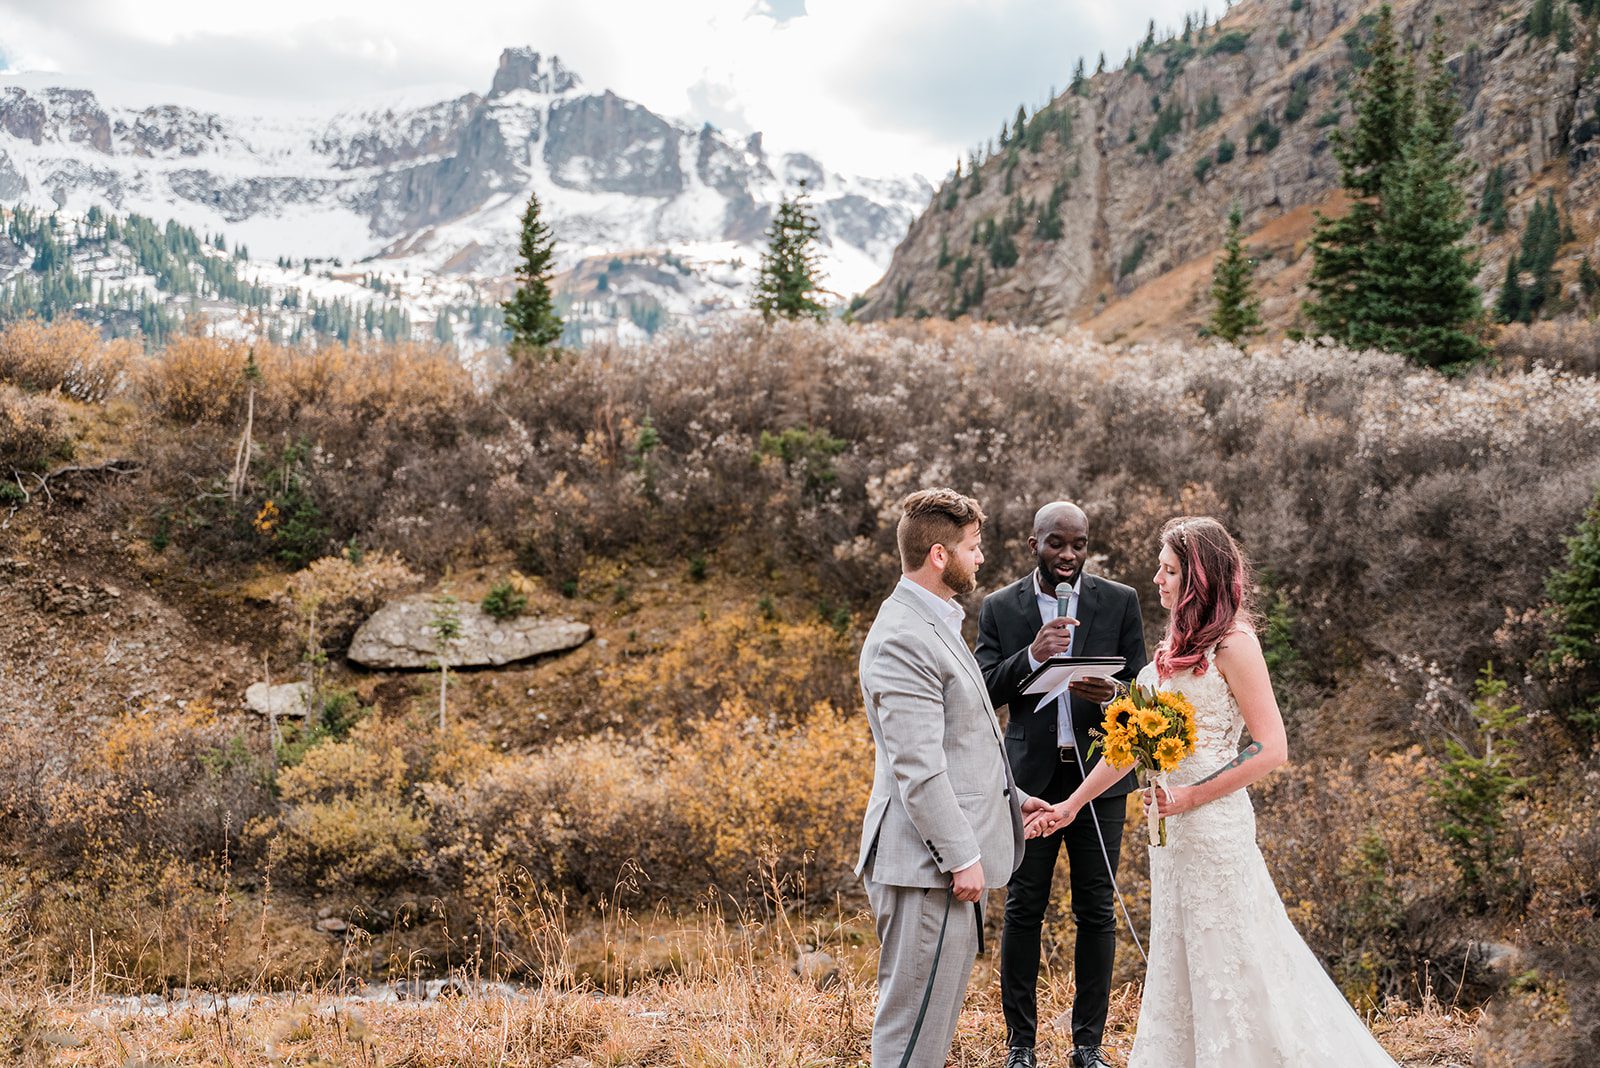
(429, 188)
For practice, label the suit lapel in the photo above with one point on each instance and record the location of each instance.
(1088, 610)
(1028, 605)
(957, 647)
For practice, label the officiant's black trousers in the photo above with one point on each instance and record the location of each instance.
(1093, 912)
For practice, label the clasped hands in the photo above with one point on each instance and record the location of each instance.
(1040, 818)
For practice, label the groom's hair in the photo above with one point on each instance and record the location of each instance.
(933, 517)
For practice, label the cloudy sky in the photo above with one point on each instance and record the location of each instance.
(871, 86)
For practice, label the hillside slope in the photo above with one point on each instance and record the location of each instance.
(1142, 164)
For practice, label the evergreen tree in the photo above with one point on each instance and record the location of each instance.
(1382, 100)
(530, 313)
(1508, 308)
(787, 286)
(1541, 18)
(1080, 81)
(1574, 656)
(1235, 311)
(1417, 293)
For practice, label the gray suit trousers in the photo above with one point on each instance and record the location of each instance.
(908, 919)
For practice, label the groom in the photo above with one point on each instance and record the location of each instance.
(944, 822)
(1018, 629)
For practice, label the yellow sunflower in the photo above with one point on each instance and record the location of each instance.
(1150, 721)
(1169, 751)
(1118, 752)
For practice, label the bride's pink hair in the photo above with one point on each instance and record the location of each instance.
(1214, 593)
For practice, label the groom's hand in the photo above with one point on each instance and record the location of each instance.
(969, 883)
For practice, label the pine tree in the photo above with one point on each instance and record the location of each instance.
(1080, 81)
(787, 286)
(1574, 657)
(1509, 307)
(1417, 294)
(1235, 311)
(530, 313)
(1382, 100)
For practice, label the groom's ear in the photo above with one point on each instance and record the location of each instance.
(938, 555)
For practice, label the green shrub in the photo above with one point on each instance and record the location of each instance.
(503, 601)
(1231, 43)
(1574, 613)
(1263, 137)
(1133, 257)
(1473, 791)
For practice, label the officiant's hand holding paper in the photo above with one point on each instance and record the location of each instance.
(1098, 689)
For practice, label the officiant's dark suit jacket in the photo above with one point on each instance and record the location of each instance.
(1109, 624)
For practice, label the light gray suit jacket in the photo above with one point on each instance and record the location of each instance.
(942, 791)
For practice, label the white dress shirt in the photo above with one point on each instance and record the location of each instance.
(1049, 605)
(950, 613)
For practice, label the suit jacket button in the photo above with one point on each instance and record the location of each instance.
(1006, 792)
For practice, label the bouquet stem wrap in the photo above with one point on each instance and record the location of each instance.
(1157, 824)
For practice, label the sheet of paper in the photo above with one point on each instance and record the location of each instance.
(1059, 672)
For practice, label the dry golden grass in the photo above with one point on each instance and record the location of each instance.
(726, 997)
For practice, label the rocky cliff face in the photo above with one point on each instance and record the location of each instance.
(1144, 162)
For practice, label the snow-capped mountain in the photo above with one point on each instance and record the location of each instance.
(655, 219)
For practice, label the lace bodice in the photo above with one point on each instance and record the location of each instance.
(1217, 720)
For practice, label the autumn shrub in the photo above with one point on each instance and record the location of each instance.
(782, 668)
(709, 807)
(168, 784)
(350, 809)
(1570, 344)
(331, 596)
(1351, 844)
(35, 431)
(66, 356)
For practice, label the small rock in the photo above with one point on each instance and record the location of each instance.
(817, 966)
(287, 699)
(333, 925)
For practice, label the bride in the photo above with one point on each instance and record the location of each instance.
(1230, 981)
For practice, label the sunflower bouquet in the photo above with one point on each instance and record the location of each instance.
(1153, 730)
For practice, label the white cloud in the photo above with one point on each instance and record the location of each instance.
(868, 85)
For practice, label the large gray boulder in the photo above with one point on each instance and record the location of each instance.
(401, 635)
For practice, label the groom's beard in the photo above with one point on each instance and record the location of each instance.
(958, 577)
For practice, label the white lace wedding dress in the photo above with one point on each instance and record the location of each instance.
(1231, 983)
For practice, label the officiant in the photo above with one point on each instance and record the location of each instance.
(1019, 627)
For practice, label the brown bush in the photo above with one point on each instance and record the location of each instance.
(35, 431)
(66, 356)
(1351, 845)
(1569, 345)
(782, 668)
(153, 785)
(720, 805)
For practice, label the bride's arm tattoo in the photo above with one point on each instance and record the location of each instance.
(1249, 751)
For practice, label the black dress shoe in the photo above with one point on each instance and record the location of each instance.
(1090, 1057)
(1021, 1057)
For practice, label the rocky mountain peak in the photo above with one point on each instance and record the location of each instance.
(523, 68)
